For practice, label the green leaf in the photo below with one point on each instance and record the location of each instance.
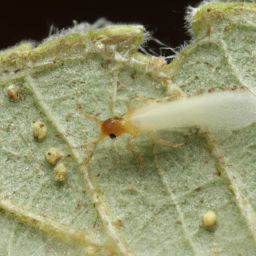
(111, 206)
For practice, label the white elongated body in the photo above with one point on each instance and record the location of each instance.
(226, 110)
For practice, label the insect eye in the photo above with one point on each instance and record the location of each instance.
(112, 135)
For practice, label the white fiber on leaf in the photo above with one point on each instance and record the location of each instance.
(227, 110)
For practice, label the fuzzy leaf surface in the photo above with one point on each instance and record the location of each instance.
(111, 206)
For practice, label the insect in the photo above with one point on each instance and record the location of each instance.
(224, 110)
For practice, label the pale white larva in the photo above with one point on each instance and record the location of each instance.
(52, 155)
(60, 172)
(39, 130)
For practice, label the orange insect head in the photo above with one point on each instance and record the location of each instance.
(113, 127)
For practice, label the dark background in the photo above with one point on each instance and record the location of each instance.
(26, 19)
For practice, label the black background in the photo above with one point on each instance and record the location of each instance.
(25, 19)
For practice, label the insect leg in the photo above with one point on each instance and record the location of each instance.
(163, 142)
(89, 156)
(128, 145)
(142, 98)
(94, 143)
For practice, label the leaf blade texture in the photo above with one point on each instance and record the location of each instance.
(111, 206)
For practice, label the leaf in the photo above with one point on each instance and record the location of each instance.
(111, 206)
